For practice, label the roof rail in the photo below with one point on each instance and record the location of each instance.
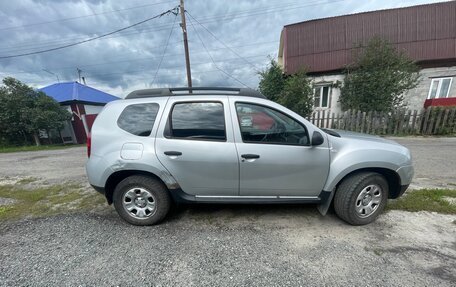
(166, 92)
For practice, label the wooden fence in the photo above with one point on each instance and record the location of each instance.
(430, 121)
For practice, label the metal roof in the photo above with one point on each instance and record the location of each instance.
(74, 91)
(427, 33)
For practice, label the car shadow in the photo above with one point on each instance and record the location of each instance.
(245, 213)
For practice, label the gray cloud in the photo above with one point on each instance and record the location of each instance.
(129, 59)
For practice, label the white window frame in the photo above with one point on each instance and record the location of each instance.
(439, 86)
(321, 96)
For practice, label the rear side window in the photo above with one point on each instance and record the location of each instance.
(138, 119)
(197, 120)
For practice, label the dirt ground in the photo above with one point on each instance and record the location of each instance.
(219, 245)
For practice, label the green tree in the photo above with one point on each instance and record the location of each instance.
(297, 94)
(24, 111)
(378, 78)
(294, 92)
(272, 81)
(48, 114)
(15, 108)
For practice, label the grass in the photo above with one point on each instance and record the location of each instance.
(4, 210)
(58, 199)
(27, 180)
(425, 200)
(45, 201)
(8, 149)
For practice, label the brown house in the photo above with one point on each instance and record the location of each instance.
(427, 33)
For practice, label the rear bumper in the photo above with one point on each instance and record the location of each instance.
(99, 189)
(97, 170)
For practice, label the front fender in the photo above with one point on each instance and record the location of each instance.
(338, 173)
(351, 154)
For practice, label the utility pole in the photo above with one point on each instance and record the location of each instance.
(79, 74)
(184, 31)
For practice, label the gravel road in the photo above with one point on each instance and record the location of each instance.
(51, 166)
(230, 246)
(220, 245)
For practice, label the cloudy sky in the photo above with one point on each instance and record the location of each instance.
(239, 36)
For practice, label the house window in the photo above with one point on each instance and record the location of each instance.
(440, 88)
(321, 96)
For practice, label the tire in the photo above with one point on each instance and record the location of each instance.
(141, 200)
(360, 198)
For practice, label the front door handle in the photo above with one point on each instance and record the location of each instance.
(250, 156)
(173, 153)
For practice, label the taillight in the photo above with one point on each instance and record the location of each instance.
(89, 144)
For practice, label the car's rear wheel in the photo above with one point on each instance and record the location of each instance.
(360, 198)
(141, 200)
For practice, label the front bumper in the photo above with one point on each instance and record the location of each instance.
(402, 190)
(406, 174)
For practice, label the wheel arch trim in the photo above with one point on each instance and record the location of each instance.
(113, 180)
(391, 176)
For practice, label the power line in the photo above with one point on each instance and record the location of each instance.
(33, 45)
(164, 50)
(204, 20)
(179, 75)
(91, 15)
(82, 16)
(265, 10)
(142, 58)
(226, 46)
(136, 77)
(212, 59)
(92, 39)
(96, 73)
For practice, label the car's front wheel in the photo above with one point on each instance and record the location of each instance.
(141, 200)
(360, 198)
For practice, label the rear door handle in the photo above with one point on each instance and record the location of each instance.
(250, 156)
(173, 153)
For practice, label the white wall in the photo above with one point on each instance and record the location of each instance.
(92, 110)
(414, 99)
(334, 93)
(68, 108)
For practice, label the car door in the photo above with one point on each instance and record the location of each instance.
(276, 158)
(195, 144)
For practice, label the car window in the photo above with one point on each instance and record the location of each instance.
(138, 119)
(197, 120)
(260, 124)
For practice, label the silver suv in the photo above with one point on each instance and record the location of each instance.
(227, 145)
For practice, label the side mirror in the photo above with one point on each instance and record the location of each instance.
(317, 139)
